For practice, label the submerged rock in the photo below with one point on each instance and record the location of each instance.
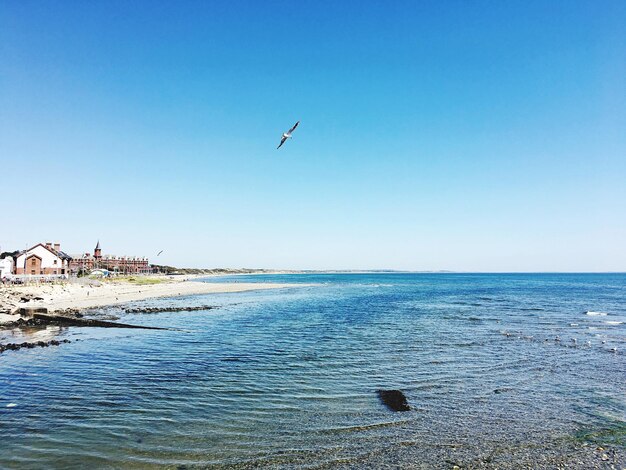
(394, 400)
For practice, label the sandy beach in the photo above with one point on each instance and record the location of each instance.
(91, 294)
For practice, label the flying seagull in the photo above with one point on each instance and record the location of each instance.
(159, 252)
(287, 135)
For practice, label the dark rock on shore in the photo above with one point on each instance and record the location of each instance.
(29, 311)
(169, 309)
(41, 344)
(28, 297)
(394, 400)
(69, 312)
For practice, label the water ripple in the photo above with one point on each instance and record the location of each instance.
(289, 378)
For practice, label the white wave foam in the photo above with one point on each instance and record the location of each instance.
(596, 314)
(11, 405)
(613, 322)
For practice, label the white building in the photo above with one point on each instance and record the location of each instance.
(6, 268)
(43, 260)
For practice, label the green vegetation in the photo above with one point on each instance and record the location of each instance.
(172, 270)
(614, 435)
(137, 280)
(143, 281)
(9, 254)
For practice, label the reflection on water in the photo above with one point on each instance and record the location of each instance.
(290, 377)
(31, 334)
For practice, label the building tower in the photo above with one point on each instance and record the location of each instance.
(97, 252)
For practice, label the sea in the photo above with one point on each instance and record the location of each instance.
(500, 370)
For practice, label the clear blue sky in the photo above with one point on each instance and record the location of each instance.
(480, 136)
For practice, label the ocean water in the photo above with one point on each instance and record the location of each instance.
(509, 365)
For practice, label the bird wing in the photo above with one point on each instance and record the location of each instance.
(282, 141)
(293, 128)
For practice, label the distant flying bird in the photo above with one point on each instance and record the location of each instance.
(287, 135)
(159, 252)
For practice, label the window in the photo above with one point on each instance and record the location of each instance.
(33, 262)
(55, 261)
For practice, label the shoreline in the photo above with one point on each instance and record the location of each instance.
(81, 295)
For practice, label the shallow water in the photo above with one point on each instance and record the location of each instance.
(289, 377)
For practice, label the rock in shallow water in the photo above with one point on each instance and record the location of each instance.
(394, 400)
(42, 344)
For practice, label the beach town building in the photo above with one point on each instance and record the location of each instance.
(86, 262)
(43, 260)
(6, 268)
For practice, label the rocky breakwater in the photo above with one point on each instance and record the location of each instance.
(33, 317)
(169, 309)
(40, 344)
(67, 320)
